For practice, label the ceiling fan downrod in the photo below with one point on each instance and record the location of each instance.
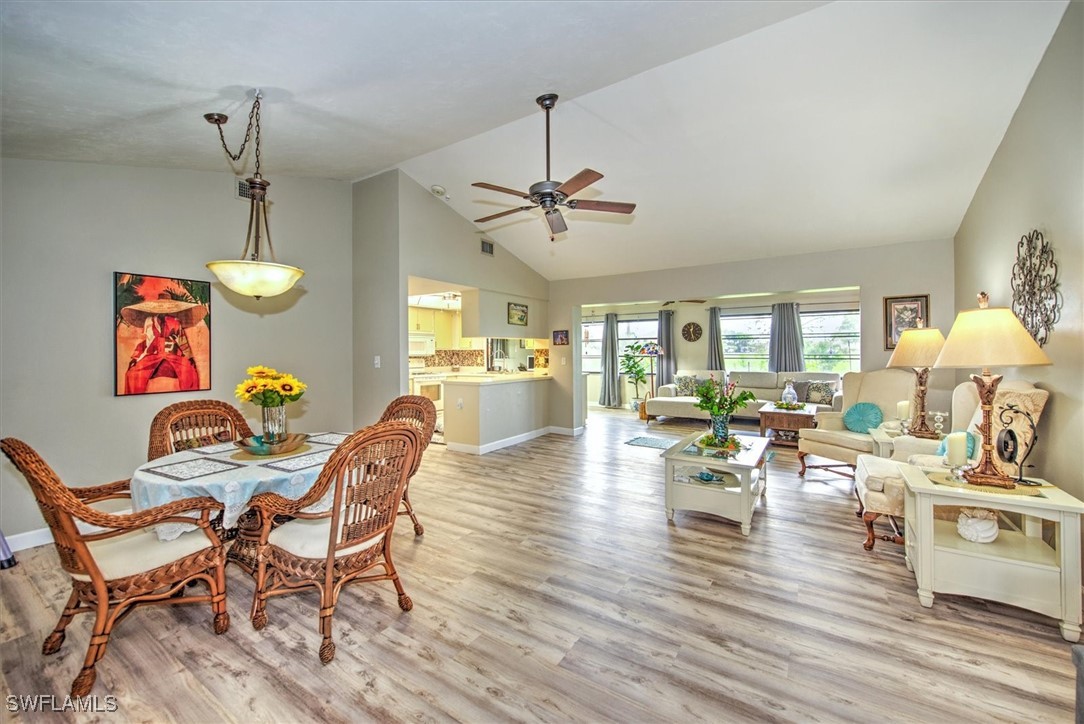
(547, 102)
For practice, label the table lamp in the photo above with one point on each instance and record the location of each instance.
(918, 349)
(988, 337)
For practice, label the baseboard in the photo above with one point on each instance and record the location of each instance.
(29, 539)
(497, 445)
(569, 431)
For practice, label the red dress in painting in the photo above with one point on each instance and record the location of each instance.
(163, 352)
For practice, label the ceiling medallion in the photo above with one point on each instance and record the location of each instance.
(1035, 298)
(691, 332)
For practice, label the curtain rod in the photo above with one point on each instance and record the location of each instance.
(654, 315)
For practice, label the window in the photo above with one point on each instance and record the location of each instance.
(832, 341)
(745, 340)
(629, 331)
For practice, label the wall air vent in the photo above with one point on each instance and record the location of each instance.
(241, 190)
(487, 247)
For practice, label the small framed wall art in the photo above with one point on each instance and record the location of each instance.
(161, 334)
(517, 314)
(904, 313)
(560, 337)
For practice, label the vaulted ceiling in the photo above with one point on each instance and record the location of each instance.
(740, 129)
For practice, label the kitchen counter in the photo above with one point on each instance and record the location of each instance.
(486, 412)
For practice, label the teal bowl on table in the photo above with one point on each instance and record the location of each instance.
(256, 445)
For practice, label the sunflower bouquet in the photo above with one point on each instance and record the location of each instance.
(269, 388)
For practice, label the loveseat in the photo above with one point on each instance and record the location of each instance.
(767, 386)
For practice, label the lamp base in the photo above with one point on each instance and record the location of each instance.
(998, 481)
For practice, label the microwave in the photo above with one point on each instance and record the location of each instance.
(422, 344)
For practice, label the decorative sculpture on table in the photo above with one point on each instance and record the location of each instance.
(1008, 445)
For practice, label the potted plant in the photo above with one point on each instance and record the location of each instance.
(720, 399)
(632, 366)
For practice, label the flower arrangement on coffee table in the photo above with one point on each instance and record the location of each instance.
(780, 405)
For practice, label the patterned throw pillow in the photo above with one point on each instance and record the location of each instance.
(820, 393)
(862, 417)
(686, 385)
(802, 388)
(201, 441)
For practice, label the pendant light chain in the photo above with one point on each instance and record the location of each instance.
(253, 120)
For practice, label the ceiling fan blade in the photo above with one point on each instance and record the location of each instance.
(502, 189)
(578, 182)
(503, 213)
(616, 207)
(556, 221)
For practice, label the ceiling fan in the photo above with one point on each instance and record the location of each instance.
(550, 194)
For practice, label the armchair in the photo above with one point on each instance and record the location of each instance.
(878, 483)
(116, 562)
(831, 439)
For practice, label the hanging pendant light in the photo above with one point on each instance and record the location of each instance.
(251, 275)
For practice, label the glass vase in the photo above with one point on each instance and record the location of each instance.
(720, 427)
(790, 395)
(274, 424)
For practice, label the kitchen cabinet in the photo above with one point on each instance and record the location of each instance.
(420, 319)
(446, 322)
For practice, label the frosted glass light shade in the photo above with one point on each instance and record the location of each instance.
(917, 347)
(991, 337)
(255, 278)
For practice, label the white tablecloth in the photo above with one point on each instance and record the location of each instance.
(231, 476)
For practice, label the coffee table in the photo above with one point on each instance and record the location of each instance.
(772, 419)
(742, 479)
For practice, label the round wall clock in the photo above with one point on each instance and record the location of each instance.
(691, 332)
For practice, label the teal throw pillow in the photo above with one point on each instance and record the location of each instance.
(942, 449)
(686, 385)
(862, 417)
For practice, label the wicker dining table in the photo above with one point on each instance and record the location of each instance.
(233, 477)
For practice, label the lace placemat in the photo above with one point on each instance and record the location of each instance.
(329, 438)
(191, 469)
(946, 480)
(300, 462)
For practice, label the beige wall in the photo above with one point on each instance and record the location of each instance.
(1036, 181)
(923, 267)
(68, 226)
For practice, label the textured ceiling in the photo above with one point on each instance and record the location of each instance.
(741, 129)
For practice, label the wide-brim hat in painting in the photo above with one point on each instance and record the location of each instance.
(189, 314)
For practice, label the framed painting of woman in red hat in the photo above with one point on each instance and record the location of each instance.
(162, 334)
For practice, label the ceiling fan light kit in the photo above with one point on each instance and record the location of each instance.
(549, 194)
(251, 275)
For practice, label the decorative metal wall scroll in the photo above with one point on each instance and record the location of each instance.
(1035, 297)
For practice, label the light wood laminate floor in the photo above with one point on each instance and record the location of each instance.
(549, 586)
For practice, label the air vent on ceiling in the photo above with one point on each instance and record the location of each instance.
(241, 191)
(487, 247)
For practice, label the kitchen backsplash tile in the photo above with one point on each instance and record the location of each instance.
(456, 358)
(541, 358)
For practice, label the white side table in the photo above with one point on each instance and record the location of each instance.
(1018, 568)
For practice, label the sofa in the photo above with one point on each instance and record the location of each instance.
(767, 386)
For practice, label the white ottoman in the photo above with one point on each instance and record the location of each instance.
(878, 484)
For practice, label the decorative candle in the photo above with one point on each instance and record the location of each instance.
(903, 410)
(956, 449)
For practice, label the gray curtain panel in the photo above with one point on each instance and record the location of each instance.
(785, 344)
(668, 361)
(715, 341)
(610, 393)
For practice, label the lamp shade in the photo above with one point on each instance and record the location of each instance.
(989, 337)
(255, 278)
(918, 347)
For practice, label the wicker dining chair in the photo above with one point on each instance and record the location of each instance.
(195, 423)
(116, 562)
(350, 542)
(422, 413)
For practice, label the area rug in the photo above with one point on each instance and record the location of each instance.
(656, 442)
